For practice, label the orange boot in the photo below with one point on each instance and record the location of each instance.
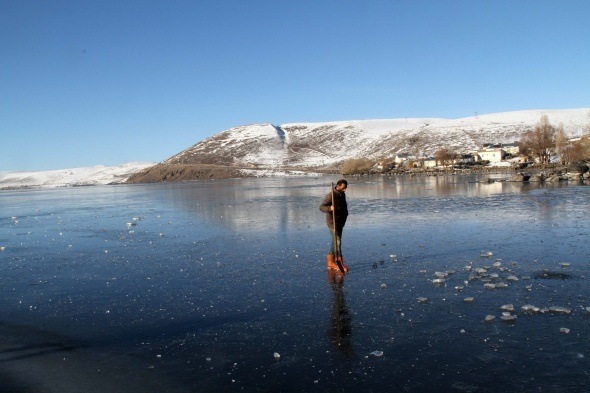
(331, 262)
(341, 262)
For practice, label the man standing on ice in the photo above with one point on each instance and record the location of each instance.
(336, 209)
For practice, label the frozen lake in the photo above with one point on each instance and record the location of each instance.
(195, 287)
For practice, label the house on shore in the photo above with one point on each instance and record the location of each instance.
(491, 155)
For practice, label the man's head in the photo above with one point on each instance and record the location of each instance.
(341, 185)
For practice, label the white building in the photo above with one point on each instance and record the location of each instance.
(491, 155)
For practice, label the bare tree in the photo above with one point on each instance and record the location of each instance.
(540, 141)
(356, 166)
(445, 156)
(563, 147)
(581, 148)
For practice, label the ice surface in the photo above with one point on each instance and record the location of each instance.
(240, 274)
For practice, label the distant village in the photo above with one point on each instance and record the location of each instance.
(499, 155)
(491, 157)
(546, 145)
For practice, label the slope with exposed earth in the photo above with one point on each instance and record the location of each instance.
(319, 146)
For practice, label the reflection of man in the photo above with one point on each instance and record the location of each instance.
(340, 330)
(338, 210)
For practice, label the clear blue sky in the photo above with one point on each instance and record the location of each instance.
(106, 82)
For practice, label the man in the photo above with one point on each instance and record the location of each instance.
(340, 210)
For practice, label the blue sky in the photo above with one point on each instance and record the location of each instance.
(84, 83)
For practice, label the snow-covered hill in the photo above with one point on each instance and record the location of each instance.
(71, 177)
(309, 146)
(313, 145)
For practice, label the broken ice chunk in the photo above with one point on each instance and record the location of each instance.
(490, 318)
(559, 310)
(508, 318)
(529, 308)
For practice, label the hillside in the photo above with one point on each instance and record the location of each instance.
(317, 146)
(85, 176)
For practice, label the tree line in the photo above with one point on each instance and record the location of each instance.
(547, 140)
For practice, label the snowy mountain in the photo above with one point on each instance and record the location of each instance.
(266, 149)
(86, 176)
(318, 145)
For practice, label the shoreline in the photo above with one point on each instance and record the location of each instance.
(183, 173)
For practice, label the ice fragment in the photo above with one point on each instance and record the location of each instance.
(560, 310)
(376, 353)
(508, 318)
(529, 308)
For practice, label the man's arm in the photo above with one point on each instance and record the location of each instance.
(326, 205)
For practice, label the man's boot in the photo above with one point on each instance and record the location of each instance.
(341, 261)
(331, 262)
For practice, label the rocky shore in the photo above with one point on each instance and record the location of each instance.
(178, 172)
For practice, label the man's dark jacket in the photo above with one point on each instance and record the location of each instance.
(340, 207)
